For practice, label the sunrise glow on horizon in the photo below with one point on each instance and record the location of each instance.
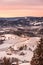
(18, 8)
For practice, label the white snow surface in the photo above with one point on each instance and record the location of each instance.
(16, 42)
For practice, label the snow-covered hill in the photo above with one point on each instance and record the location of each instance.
(18, 47)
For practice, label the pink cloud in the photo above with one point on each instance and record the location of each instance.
(21, 2)
(21, 7)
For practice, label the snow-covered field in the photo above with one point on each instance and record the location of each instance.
(15, 42)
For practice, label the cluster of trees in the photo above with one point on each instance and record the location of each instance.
(6, 61)
(38, 54)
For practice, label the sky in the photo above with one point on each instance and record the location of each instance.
(18, 8)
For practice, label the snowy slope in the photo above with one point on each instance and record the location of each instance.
(16, 42)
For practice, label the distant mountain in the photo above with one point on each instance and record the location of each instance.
(30, 26)
(24, 21)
